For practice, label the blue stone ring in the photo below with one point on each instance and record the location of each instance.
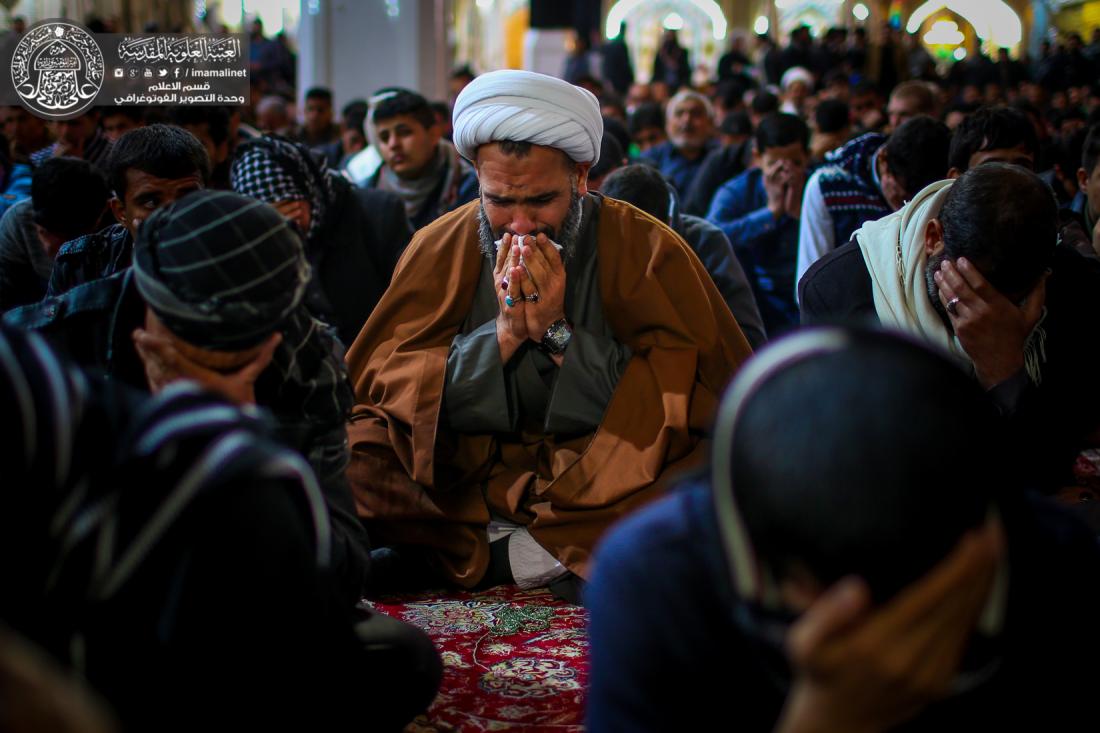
(509, 301)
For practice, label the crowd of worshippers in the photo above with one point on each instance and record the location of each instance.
(509, 339)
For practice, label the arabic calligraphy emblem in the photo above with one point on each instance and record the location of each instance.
(57, 69)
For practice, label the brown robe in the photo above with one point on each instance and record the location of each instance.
(418, 483)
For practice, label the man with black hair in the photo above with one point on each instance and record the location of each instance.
(647, 126)
(317, 128)
(117, 121)
(760, 210)
(353, 136)
(443, 117)
(78, 137)
(25, 132)
(998, 134)
(459, 78)
(611, 159)
(736, 128)
(211, 125)
(856, 557)
(865, 103)
(832, 128)
(419, 166)
(617, 130)
(1087, 201)
(729, 96)
(976, 271)
(763, 104)
(68, 199)
(644, 187)
(613, 107)
(956, 112)
(149, 167)
(867, 179)
(1065, 155)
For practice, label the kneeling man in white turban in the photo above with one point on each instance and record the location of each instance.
(542, 359)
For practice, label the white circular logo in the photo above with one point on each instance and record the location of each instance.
(57, 69)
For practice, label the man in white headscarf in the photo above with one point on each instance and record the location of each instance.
(973, 267)
(541, 359)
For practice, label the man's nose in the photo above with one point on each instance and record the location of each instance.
(522, 223)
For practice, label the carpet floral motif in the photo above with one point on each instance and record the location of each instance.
(513, 659)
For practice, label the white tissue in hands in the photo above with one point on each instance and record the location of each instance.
(517, 239)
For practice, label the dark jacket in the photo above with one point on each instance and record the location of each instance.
(24, 265)
(661, 576)
(366, 233)
(91, 257)
(714, 250)
(1050, 420)
(616, 68)
(719, 166)
(92, 325)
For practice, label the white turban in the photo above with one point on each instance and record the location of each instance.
(796, 73)
(527, 107)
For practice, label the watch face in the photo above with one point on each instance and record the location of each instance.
(557, 337)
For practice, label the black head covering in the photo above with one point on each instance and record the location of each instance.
(221, 270)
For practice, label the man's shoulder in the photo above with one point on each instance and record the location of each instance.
(839, 282)
(1074, 285)
(90, 244)
(376, 198)
(725, 156)
(96, 297)
(696, 229)
(450, 238)
(623, 218)
(660, 152)
(840, 162)
(19, 216)
(867, 141)
(668, 536)
(745, 180)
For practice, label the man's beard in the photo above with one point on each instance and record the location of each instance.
(567, 234)
(930, 270)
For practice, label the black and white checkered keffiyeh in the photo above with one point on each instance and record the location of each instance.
(273, 169)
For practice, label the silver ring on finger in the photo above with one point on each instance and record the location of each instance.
(532, 298)
(953, 306)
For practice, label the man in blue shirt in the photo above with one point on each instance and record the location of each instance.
(689, 122)
(759, 212)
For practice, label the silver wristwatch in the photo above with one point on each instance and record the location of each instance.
(557, 337)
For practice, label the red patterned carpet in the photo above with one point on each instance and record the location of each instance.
(513, 659)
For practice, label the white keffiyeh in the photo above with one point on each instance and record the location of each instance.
(893, 248)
